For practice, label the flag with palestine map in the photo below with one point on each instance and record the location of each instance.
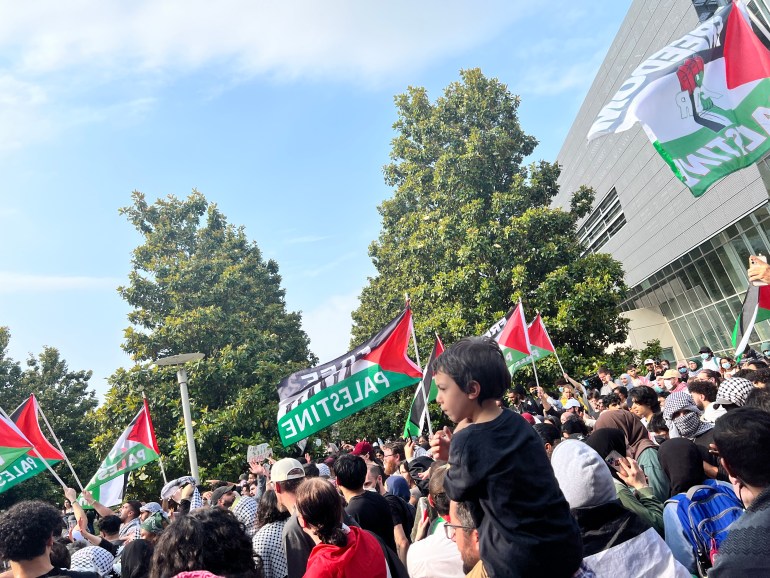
(703, 100)
(756, 308)
(135, 447)
(29, 465)
(317, 397)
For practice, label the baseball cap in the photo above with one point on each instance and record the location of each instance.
(649, 361)
(286, 469)
(151, 507)
(670, 374)
(362, 448)
(571, 403)
(219, 492)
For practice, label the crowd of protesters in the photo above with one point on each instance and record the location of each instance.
(662, 472)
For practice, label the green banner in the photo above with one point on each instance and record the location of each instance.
(339, 401)
(22, 469)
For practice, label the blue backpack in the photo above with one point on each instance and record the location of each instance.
(706, 512)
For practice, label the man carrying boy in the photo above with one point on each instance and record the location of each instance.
(498, 465)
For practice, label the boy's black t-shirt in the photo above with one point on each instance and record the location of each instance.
(372, 513)
(70, 573)
(525, 527)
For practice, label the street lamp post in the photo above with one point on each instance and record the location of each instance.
(181, 376)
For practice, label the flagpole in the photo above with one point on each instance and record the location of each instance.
(58, 445)
(554, 347)
(34, 450)
(419, 364)
(537, 381)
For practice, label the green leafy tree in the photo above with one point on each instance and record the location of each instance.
(199, 284)
(68, 403)
(470, 230)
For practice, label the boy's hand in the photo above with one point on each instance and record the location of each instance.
(439, 444)
(632, 474)
(409, 449)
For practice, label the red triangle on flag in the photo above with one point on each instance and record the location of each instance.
(746, 58)
(514, 335)
(10, 436)
(142, 430)
(538, 336)
(25, 418)
(392, 354)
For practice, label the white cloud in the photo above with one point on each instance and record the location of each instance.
(328, 326)
(343, 38)
(11, 282)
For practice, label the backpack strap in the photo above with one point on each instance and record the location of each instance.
(691, 491)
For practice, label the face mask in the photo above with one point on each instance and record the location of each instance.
(704, 355)
(371, 490)
(657, 388)
(660, 439)
(667, 383)
(766, 353)
(682, 370)
(561, 390)
(726, 365)
(687, 424)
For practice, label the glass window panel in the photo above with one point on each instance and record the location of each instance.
(727, 316)
(666, 310)
(710, 337)
(683, 304)
(757, 241)
(763, 330)
(742, 250)
(690, 342)
(732, 267)
(710, 283)
(719, 325)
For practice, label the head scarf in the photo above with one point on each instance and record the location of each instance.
(324, 471)
(690, 372)
(734, 390)
(398, 486)
(682, 462)
(605, 441)
(245, 509)
(637, 437)
(135, 559)
(151, 507)
(629, 381)
(93, 559)
(155, 523)
(583, 476)
(690, 424)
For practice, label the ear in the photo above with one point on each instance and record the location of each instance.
(474, 389)
(277, 486)
(301, 521)
(430, 501)
(475, 537)
(727, 467)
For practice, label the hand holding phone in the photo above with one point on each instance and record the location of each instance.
(758, 272)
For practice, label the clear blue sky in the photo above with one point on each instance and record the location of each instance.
(280, 113)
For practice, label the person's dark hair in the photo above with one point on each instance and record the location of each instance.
(574, 426)
(715, 375)
(762, 376)
(663, 394)
(311, 470)
(745, 373)
(206, 539)
(60, 556)
(290, 486)
(612, 399)
(645, 396)
(547, 432)
(110, 524)
(706, 388)
(621, 389)
(464, 515)
(657, 423)
(759, 364)
(377, 470)
(136, 559)
(25, 528)
(560, 381)
(759, 398)
(476, 359)
(268, 510)
(135, 506)
(351, 471)
(436, 490)
(321, 507)
(604, 369)
(396, 448)
(741, 435)
(630, 366)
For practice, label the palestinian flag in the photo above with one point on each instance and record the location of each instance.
(30, 464)
(702, 100)
(425, 390)
(317, 397)
(135, 447)
(541, 344)
(514, 340)
(756, 308)
(13, 444)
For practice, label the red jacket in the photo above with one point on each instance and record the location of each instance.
(361, 556)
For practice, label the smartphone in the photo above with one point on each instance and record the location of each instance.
(613, 460)
(753, 260)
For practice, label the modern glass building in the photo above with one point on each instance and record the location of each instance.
(685, 258)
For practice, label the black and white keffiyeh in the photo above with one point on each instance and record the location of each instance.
(734, 391)
(93, 559)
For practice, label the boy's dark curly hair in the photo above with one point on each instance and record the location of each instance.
(206, 539)
(26, 528)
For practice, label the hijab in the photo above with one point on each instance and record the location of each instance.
(398, 486)
(637, 437)
(682, 462)
(605, 441)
